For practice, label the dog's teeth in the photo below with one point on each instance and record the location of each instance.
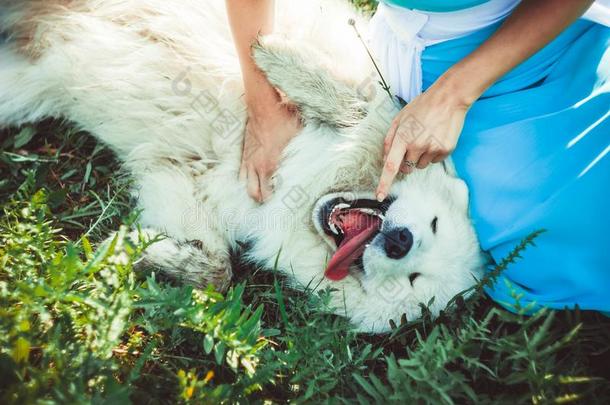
(333, 228)
(372, 212)
(341, 206)
(331, 225)
(368, 211)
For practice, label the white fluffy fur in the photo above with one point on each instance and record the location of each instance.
(132, 74)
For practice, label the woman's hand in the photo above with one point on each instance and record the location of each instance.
(268, 131)
(427, 130)
(424, 131)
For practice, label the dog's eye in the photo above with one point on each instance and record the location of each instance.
(434, 224)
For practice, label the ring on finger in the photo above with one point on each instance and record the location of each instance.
(410, 164)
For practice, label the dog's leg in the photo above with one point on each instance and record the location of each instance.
(194, 248)
(196, 262)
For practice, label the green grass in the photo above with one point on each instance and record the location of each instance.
(79, 325)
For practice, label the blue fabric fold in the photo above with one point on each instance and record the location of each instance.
(535, 152)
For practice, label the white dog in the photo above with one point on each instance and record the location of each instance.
(158, 81)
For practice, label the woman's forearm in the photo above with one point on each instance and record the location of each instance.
(532, 25)
(270, 124)
(248, 20)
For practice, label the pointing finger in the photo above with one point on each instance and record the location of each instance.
(390, 168)
(389, 138)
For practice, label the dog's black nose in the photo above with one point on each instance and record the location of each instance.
(398, 242)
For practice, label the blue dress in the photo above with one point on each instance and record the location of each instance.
(535, 153)
(436, 5)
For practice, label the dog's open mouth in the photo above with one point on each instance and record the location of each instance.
(351, 224)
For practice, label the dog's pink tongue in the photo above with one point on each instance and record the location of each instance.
(358, 229)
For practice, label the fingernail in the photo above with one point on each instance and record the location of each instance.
(380, 197)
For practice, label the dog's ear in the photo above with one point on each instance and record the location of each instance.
(298, 71)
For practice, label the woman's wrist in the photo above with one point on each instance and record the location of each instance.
(461, 87)
(260, 96)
